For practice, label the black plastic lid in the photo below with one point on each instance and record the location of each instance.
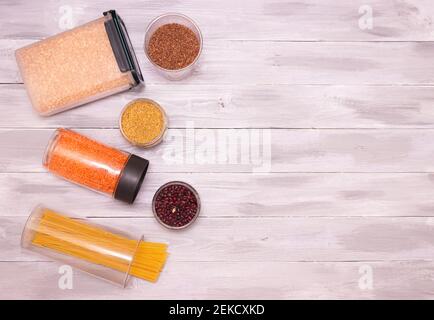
(121, 45)
(131, 179)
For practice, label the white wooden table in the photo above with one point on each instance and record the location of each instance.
(342, 115)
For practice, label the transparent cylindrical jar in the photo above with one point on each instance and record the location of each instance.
(94, 165)
(80, 65)
(104, 252)
(168, 18)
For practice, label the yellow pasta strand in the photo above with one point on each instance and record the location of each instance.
(90, 243)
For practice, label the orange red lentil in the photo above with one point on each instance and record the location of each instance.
(85, 161)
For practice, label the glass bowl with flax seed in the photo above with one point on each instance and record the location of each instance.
(173, 44)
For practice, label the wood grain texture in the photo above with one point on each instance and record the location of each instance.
(245, 195)
(340, 118)
(346, 150)
(273, 239)
(231, 280)
(237, 20)
(243, 106)
(260, 63)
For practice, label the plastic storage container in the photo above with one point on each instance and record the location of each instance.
(79, 65)
(103, 252)
(94, 165)
(167, 18)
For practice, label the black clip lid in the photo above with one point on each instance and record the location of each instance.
(121, 45)
(131, 179)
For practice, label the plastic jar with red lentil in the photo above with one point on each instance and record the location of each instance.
(91, 164)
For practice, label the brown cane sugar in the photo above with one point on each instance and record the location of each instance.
(71, 68)
(173, 46)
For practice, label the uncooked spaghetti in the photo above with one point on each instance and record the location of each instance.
(96, 245)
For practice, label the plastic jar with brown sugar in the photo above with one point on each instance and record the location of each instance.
(80, 65)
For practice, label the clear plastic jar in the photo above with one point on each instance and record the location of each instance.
(94, 165)
(80, 65)
(106, 253)
(167, 18)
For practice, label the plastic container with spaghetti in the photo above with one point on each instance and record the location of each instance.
(94, 165)
(103, 252)
(80, 65)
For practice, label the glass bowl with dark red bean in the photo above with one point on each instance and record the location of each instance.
(176, 205)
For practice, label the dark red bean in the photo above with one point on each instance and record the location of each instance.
(176, 205)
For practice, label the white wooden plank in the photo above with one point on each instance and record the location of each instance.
(265, 239)
(265, 64)
(229, 19)
(259, 63)
(231, 280)
(238, 195)
(239, 106)
(249, 150)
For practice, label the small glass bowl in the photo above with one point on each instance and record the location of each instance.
(159, 138)
(167, 18)
(184, 185)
